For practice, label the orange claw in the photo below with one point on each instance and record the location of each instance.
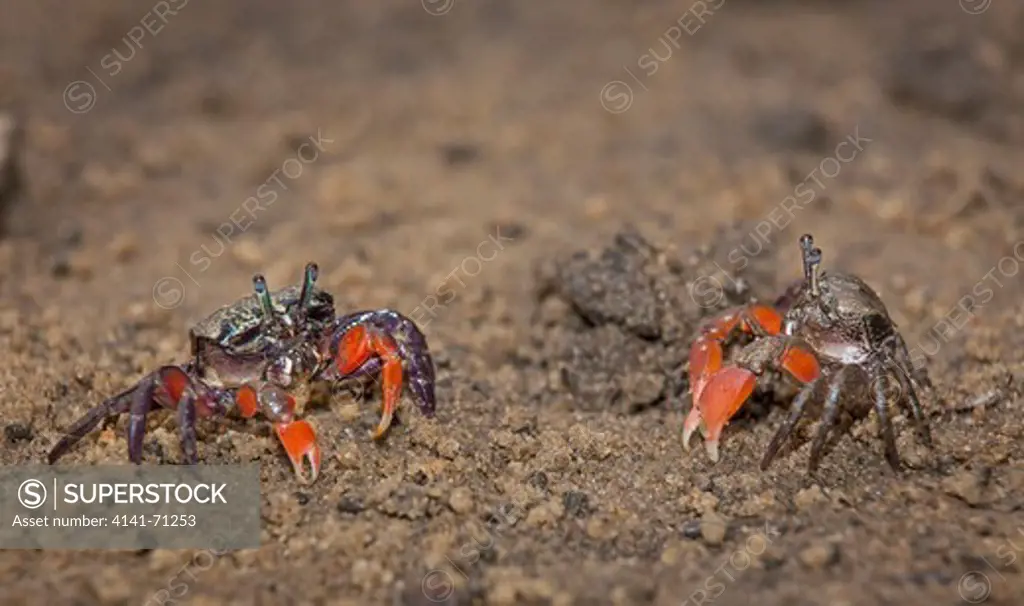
(767, 318)
(801, 364)
(356, 347)
(299, 441)
(721, 397)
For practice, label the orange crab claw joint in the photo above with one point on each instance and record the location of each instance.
(247, 402)
(299, 441)
(723, 395)
(705, 360)
(355, 348)
(767, 317)
(801, 364)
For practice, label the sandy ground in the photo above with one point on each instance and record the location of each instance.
(477, 151)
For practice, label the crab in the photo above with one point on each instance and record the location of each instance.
(829, 330)
(262, 355)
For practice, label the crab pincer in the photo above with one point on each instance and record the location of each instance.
(299, 441)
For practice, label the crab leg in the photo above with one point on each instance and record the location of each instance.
(110, 408)
(885, 425)
(795, 412)
(171, 387)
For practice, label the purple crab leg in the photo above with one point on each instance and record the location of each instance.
(170, 387)
(110, 408)
(142, 401)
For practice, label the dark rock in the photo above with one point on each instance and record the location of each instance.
(351, 505)
(18, 432)
(577, 504)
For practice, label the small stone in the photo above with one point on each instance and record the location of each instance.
(449, 448)
(503, 438)
(809, 497)
(248, 253)
(819, 556)
(539, 480)
(350, 505)
(349, 413)
(601, 529)
(348, 456)
(18, 432)
(461, 500)
(164, 559)
(540, 516)
(968, 486)
(111, 586)
(124, 246)
(577, 504)
(712, 528)
(691, 529)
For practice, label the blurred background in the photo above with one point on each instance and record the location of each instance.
(155, 155)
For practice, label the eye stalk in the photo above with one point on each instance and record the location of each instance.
(812, 263)
(259, 283)
(312, 272)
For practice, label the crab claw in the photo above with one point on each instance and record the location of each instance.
(693, 423)
(299, 441)
(717, 402)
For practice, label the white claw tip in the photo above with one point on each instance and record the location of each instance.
(687, 434)
(712, 448)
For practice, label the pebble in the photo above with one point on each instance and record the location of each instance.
(819, 556)
(449, 448)
(576, 504)
(691, 529)
(809, 497)
(966, 485)
(712, 528)
(350, 505)
(461, 500)
(18, 432)
(111, 585)
(348, 456)
(600, 529)
(124, 246)
(545, 515)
